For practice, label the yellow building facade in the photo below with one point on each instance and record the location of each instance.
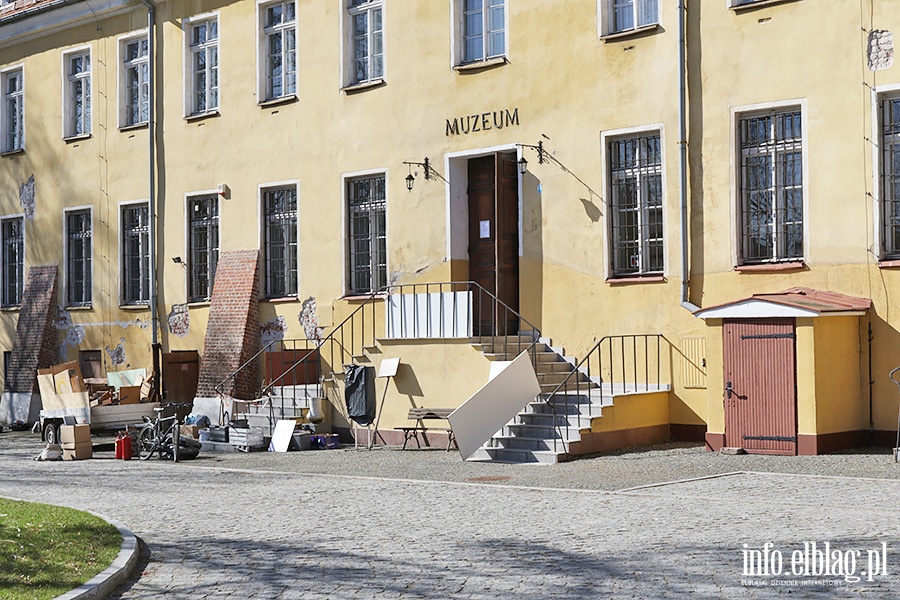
(612, 144)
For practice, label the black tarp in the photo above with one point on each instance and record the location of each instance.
(359, 390)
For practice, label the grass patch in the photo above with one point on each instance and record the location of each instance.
(48, 550)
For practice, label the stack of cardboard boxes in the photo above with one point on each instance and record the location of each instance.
(76, 442)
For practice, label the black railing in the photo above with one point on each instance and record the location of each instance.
(220, 387)
(616, 365)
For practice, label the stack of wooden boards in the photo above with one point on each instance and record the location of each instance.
(65, 379)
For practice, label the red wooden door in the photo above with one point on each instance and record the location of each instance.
(760, 385)
(494, 241)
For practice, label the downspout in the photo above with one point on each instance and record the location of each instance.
(151, 134)
(683, 157)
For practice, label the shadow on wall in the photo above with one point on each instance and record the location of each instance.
(408, 384)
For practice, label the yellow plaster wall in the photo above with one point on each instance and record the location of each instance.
(840, 405)
(715, 396)
(805, 353)
(633, 412)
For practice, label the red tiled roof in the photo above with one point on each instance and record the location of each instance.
(19, 6)
(817, 300)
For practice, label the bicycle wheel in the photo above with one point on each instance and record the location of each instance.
(146, 444)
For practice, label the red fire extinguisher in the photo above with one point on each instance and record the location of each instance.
(119, 445)
(126, 447)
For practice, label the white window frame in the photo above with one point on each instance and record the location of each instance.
(4, 262)
(607, 13)
(348, 43)
(458, 34)
(190, 50)
(261, 207)
(741, 112)
(123, 69)
(189, 198)
(346, 178)
(607, 138)
(121, 239)
(65, 268)
(262, 54)
(17, 101)
(69, 81)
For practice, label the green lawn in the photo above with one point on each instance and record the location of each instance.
(48, 550)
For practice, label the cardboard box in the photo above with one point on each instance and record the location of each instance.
(70, 435)
(80, 451)
(190, 431)
(130, 394)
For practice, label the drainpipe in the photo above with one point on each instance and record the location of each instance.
(151, 134)
(683, 157)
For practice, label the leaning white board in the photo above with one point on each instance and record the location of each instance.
(281, 437)
(388, 367)
(506, 393)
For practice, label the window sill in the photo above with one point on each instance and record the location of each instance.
(13, 152)
(738, 8)
(198, 303)
(481, 65)
(633, 32)
(69, 139)
(134, 307)
(632, 279)
(10, 309)
(365, 85)
(278, 101)
(772, 267)
(889, 264)
(362, 297)
(134, 127)
(281, 300)
(80, 308)
(202, 116)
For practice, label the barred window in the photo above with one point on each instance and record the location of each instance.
(890, 177)
(367, 31)
(13, 248)
(78, 258)
(280, 47)
(204, 67)
(635, 166)
(483, 29)
(771, 187)
(368, 242)
(280, 209)
(136, 254)
(203, 215)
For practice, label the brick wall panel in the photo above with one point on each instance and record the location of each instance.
(35, 346)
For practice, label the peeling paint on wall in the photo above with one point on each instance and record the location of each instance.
(73, 334)
(272, 331)
(179, 320)
(117, 354)
(309, 320)
(26, 197)
(881, 50)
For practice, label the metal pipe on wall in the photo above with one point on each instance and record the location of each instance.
(683, 157)
(151, 134)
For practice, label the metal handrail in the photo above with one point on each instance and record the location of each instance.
(582, 368)
(218, 387)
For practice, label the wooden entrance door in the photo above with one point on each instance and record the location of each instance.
(494, 241)
(760, 385)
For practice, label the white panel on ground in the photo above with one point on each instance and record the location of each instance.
(281, 437)
(430, 315)
(494, 405)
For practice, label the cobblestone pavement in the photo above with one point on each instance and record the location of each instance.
(390, 524)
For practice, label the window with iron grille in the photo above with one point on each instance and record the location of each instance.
(483, 29)
(204, 67)
(635, 175)
(78, 94)
(625, 15)
(771, 187)
(78, 258)
(890, 177)
(13, 247)
(280, 214)
(367, 34)
(13, 110)
(136, 254)
(135, 82)
(279, 43)
(203, 216)
(366, 236)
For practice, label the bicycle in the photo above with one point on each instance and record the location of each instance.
(161, 436)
